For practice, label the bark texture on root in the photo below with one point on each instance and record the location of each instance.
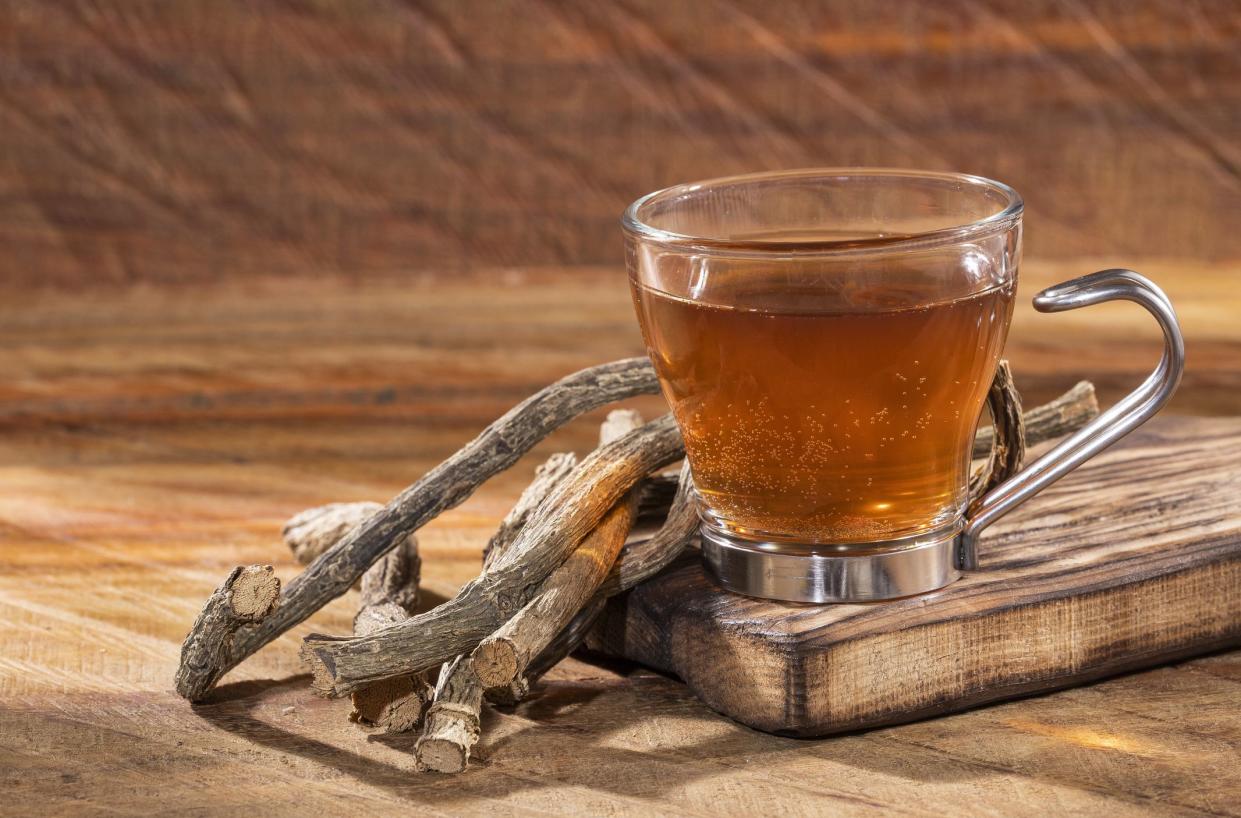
(1008, 435)
(311, 532)
(445, 486)
(391, 581)
(1067, 413)
(644, 559)
(452, 721)
(639, 560)
(341, 665)
(569, 639)
(502, 658)
(247, 595)
(448, 737)
(447, 741)
(389, 593)
(546, 477)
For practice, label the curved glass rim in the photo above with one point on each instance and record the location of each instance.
(1001, 219)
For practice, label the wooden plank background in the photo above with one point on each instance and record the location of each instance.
(186, 141)
(257, 256)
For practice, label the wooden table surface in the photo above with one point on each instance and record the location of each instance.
(151, 439)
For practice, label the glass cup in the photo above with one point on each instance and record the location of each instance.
(826, 340)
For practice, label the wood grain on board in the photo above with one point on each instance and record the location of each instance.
(184, 142)
(150, 441)
(1133, 560)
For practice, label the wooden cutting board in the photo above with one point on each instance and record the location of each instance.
(1132, 561)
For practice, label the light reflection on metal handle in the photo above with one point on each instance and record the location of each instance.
(1109, 427)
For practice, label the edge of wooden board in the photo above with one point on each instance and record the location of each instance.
(805, 684)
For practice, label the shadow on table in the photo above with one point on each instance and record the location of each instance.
(643, 736)
(568, 733)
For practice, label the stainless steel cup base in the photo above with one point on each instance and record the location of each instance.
(798, 572)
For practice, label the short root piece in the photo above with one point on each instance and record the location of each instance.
(448, 739)
(452, 721)
(389, 592)
(313, 531)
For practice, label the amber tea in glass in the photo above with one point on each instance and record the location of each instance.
(826, 341)
(774, 453)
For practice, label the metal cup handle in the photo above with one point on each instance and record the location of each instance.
(1109, 427)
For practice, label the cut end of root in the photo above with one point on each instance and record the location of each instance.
(403, 714)
(254, 593)
(442, 755)
(509, 695)
(495, 662)
(322, 669)
(1090, 398)
(393, 705)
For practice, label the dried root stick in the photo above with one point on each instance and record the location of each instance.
(311, 532)
(547, 476)
(1067, 413)
(389, 593)
(452, 721)
(1008, 435)
(638, 561)
(452, 724)
(247, 595)
(341, 665)
(445, 486)
(502, 658)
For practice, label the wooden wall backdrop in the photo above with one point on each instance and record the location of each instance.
(192, 140)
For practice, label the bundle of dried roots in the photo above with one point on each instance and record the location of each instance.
(568, 544)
